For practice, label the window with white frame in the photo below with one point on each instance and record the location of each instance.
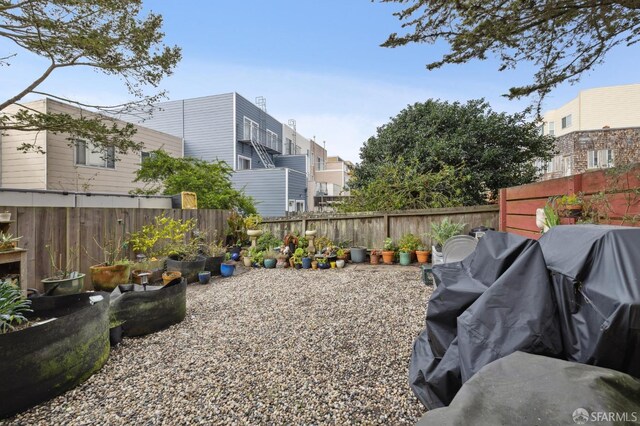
(272, 140)
(320, 163)
(87, 154)
(296, 206)
(251, 130)
(552, 128)
(566, 165)
(244, 163)
(566, 121)
(602, 158)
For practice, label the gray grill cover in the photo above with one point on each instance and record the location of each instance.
(503, 299)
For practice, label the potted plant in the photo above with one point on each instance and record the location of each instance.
(7, 241)
(216, 252)
(291, 241)
(270, 259)
(570, 205)
(297, 258)
(246, 258)
(340, 263)
(323, 263)
(281, 260)
(422, 253)
(63, 279)
(186, 259)
(374, 257)
(169, 276)
(256, 256)
(306, 260)
(228, 266)
(410, 242)
(405, 255)
(13, 307)
(440, 233)
(388, 251)
(114, 268)
(252, 224)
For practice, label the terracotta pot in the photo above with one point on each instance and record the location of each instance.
(422, 256)
(169, 276)
(314, 264)
(107, 278)
(137, 279)
(374, 259)
(387, 256)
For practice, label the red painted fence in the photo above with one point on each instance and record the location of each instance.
(617, 198)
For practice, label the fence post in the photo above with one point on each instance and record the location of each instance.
(386, 226)
(503, 210)
(575, 184)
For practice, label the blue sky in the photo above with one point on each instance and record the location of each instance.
(318, 62)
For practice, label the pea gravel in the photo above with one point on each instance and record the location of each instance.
(264, 347)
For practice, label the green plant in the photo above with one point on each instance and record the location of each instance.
(298, 255)
(409, 243)
(59, 269)
(388, 244)
(7, 241)
(340, 252)
(322, 243)
(256, 255)
(252, 221)
(441, 232)
(161, 236)
(267, 240)
(551, 217)
(13, 307)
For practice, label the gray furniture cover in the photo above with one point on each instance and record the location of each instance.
(525, 389)
(574, 295)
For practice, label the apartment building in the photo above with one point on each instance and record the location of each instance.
(228, 127)
(333, 182)
(599, 128)
(73, 165)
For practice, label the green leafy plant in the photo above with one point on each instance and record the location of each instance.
(270, 254)
(7, 241)
(441, 232)
(298, 255)
(551, 217)
(268, 240)
(409, 242)
(388, 244)
(161, 237)
(252, 221)
(13, 307)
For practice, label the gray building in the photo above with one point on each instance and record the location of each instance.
(230, 128)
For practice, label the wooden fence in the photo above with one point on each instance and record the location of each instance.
(614, 194)
(80, 230)
(371, 228)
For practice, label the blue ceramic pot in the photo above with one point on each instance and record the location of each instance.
(204, 277)
(270, 263)
(227, 269)
(235, 256)
(306, 262)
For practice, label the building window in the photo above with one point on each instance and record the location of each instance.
(566, 165)
(566, 121)
(552, 127)
(87, 154)
(296, 206)
(251, 130)
(244, 163)
(602, 158)
(272, 140)
(320, 163)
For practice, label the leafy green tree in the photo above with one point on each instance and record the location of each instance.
(487, 150)
(211, 181)
(108, 36)
(400, 186)
(561, 38)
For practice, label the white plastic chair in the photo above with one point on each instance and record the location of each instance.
(458, 247)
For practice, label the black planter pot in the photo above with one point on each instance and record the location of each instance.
(189, 270)
(40, 362)
(212, 264)
(115, 335)
(147, 311)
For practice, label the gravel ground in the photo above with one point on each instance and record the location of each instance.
(264, 347)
